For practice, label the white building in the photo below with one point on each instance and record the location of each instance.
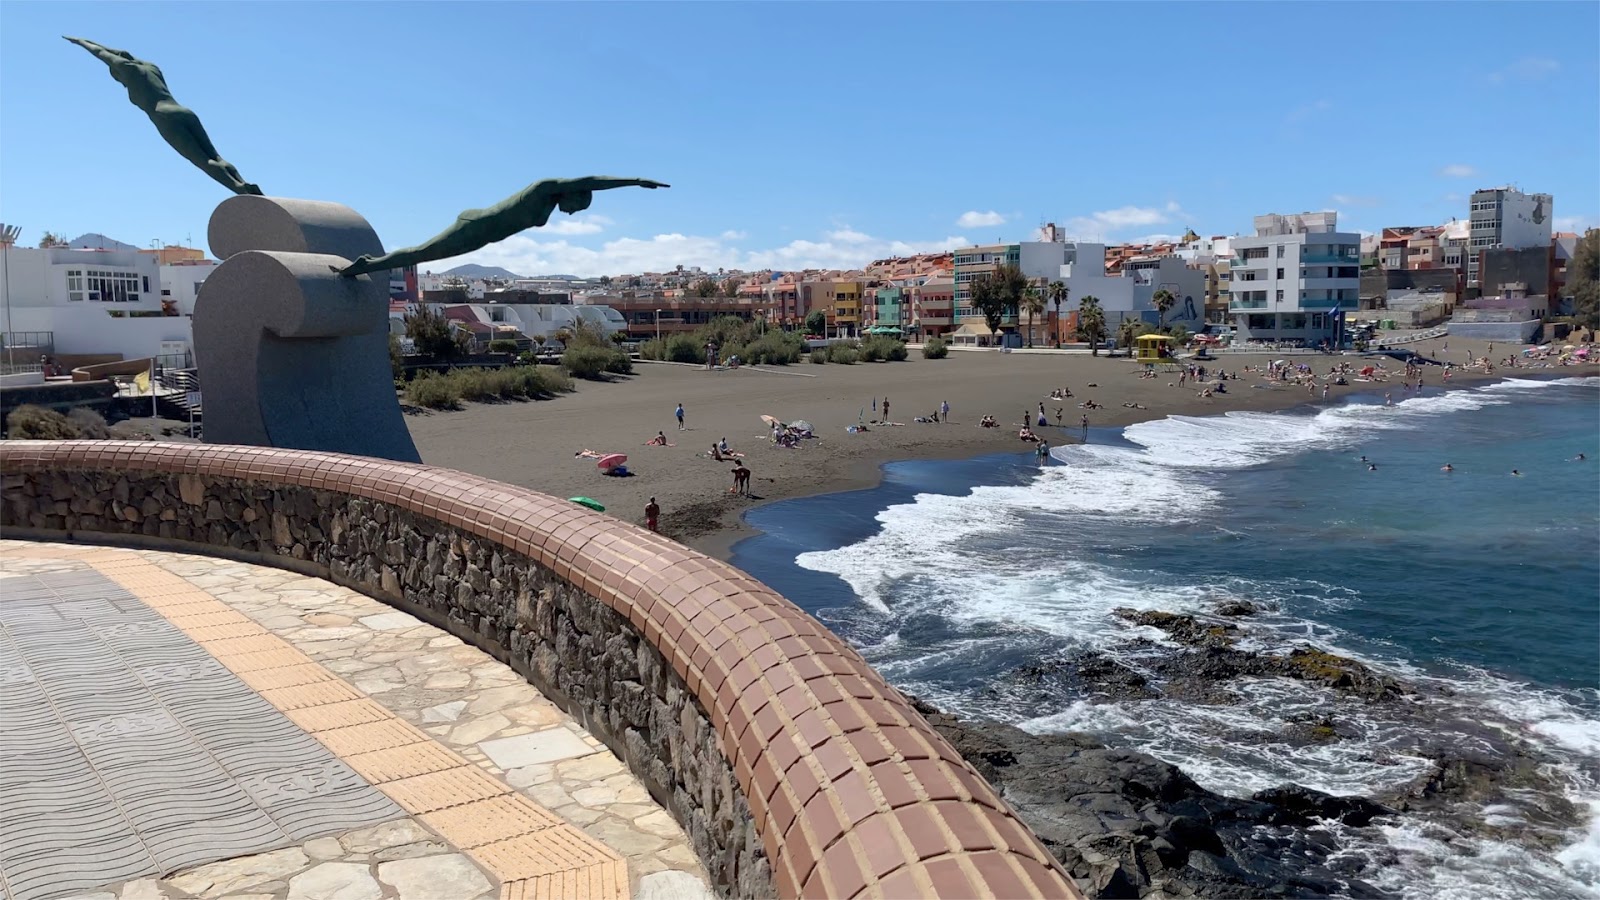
(180, 283)
(1506, 217)
(1294, 277)
(89, 302)
(534, 320)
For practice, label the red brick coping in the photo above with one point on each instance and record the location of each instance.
(853, 793)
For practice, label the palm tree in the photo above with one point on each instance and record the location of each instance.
(1033, 304)
(1091, 323)
(1057, 292)
(1163, 301)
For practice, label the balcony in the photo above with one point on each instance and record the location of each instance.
(1329, 259)
(1247, 304)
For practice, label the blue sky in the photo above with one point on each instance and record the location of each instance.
(807, 134)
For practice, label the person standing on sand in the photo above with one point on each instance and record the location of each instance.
(741, 479)
(944, 410)
(1085, 426)
(886, 410)
(652, 514)
(679, 414)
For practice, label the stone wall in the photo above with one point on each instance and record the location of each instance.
(793, 767)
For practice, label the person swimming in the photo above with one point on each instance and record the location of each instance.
(1515, 472)
(1447, 468)
(1372, 467)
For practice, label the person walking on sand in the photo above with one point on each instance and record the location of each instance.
(679, 414)
(944, 410)
(652, 513)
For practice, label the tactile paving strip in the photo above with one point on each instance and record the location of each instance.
(130, 751)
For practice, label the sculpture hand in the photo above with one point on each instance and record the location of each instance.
(360, 261)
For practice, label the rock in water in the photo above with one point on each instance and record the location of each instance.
(1126, 824)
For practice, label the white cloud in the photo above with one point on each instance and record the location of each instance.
(1098, 226)
(731, 235)
(974, 219)
(1577, 224)
(1529, 68)
(1354, 200)
(576, 225)
(1458, 170)
(841, 248)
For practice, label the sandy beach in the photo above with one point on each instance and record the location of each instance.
(533, 443)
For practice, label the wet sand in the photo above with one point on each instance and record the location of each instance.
(533, 443)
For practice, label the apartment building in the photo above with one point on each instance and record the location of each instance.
(1295, 278)
(1505, 217)
(90, 303)
(932, 306)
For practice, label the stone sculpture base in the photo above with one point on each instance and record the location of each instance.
(292, 354)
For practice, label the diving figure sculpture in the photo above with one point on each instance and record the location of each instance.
(147, 89)
(476, 228)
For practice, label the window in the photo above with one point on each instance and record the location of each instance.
(1319, 321)
(1280, 295)
(74, 284)
(1280, 256)
(1280, 271)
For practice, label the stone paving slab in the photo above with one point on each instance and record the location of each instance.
(461, 700)
(127, 751)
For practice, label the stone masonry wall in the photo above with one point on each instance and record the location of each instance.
(793, 766)
(591, 661)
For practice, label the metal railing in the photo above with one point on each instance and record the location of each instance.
(17, 347)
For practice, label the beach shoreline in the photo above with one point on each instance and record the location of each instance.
(536, 444)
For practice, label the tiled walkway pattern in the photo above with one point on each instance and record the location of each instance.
(438, 726)
(126, 750)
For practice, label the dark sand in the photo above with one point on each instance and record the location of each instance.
(532, 443)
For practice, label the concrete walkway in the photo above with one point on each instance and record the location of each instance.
(202, 713)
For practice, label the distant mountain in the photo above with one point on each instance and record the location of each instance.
(96, 241)
(473, 270)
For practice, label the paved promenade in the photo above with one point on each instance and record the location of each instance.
(176, 726)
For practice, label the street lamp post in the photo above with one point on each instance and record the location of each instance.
(8, 236)
(658, 326)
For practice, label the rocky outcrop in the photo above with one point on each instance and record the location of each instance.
(1217, 658)
(1125, 824)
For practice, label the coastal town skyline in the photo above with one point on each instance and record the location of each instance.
(1102, 155)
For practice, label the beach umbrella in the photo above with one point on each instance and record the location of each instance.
(801, 425)
(771, 421)
(611, 461)
(589, 502)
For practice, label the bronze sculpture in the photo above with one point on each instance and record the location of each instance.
(476, 228)
(147, 89)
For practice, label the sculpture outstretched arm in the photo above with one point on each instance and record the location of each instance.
(478, 228)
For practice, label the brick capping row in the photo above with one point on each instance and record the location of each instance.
(849, 790)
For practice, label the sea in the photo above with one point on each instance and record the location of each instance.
(1480, 585)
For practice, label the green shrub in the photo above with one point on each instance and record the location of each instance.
(397, 358)
(502, 345)
(434, 391)
(684, 348)
(935, 348)
(590, 361)
(90, 424)
(546, 381)
(882, 348)
(653, 349)
(819, 355)
(35, 423)
(775, 348)
(843, 354)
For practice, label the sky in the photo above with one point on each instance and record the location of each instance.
(800, 135)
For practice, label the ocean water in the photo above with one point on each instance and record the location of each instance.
(1480, 585)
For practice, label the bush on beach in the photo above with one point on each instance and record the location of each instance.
(935, 348)
(446, 391)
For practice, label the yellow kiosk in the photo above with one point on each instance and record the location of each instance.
(1153, 348)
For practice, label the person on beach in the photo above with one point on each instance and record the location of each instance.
(679, 414)
(723, 446)
(652, 513)
(741, 479)
(1059, 412)
(1043, 451)
(1388, 399)
(886, 410)
(944, 409)
(1085, 424)
(660, 440)
(1325, 389)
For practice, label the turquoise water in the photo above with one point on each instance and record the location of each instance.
(1479, 581)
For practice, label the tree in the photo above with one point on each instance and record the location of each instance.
(431, 334)
(1033, 304)
(1130, 329)
(1163, 300)
(605, 281)
(704, 289)
(1091, 323)
(817, 323)
(730, 288)
(1583, 280)
(51, 239)
(1057, 292)
(1013, 286)
(986, 299)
